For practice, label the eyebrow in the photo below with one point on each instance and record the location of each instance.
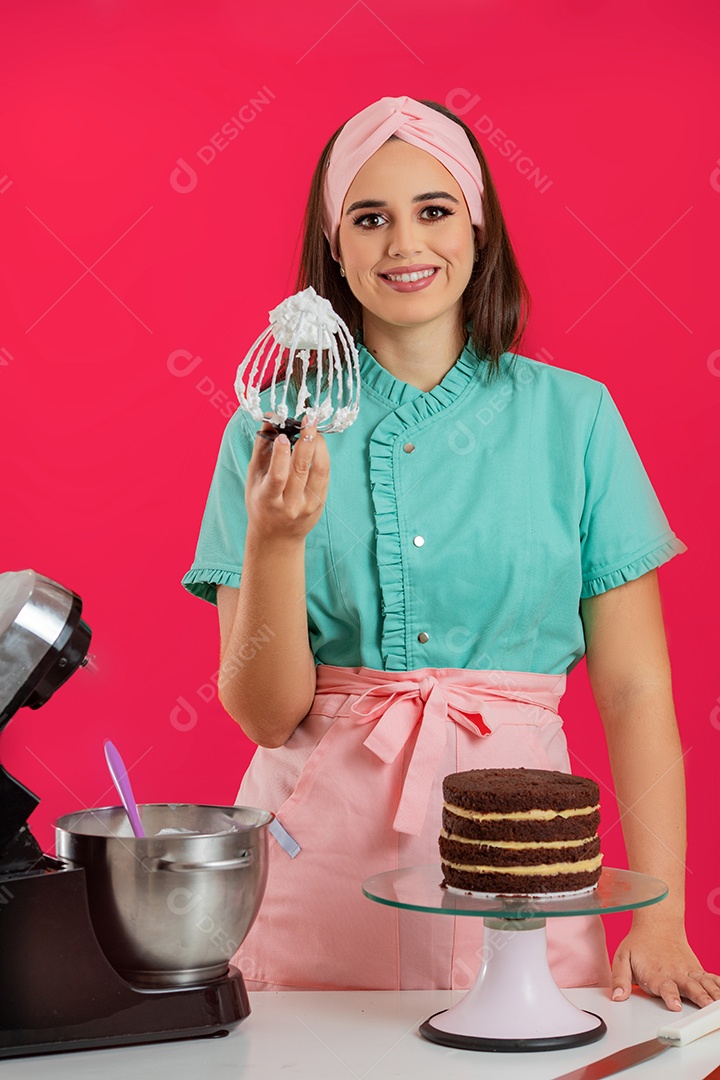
(376, 204)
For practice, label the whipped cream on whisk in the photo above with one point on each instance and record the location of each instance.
(307, 325)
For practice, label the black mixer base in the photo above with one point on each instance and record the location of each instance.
(58, 992)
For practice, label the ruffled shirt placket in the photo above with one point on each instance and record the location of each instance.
(399, 431)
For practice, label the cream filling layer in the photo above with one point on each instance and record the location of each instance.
(518, 845)
(520, 815)
(532, 871)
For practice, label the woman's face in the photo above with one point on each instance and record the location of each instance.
(386, 227)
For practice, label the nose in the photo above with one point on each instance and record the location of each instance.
(404, 239)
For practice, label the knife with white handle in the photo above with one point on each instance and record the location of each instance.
(678, 1033)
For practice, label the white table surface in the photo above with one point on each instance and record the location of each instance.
(372, 1034)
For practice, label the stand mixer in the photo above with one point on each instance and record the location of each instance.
(58, 989)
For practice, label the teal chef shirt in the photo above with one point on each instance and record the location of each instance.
(462, 524)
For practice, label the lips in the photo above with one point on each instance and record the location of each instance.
(412, 285)
(407, 270)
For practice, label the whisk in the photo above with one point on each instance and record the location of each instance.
(307, 325)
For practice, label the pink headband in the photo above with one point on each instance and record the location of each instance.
(417, 124)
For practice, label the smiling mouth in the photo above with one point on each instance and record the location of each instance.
(418, 275)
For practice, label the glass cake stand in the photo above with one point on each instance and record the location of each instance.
(515, 1004)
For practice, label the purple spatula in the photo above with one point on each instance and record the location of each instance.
(122, 783)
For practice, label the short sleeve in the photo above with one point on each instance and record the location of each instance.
(624, 532)
(221, 544)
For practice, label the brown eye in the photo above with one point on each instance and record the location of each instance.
(444, 212)
(364, 217)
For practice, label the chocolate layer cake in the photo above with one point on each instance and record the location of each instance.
(520, 831)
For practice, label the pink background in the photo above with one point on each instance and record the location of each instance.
(142, 249)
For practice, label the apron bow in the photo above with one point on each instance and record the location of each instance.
(430, 704)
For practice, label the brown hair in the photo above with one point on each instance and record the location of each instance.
(493, 299)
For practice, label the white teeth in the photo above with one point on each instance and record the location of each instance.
(410, 277)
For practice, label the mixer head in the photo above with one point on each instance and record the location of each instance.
(43, 640)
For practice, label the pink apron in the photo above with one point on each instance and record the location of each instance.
(358, 788)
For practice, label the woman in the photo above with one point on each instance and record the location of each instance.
(415, 609)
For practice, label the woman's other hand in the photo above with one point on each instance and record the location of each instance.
(662, 963)
(287, 486)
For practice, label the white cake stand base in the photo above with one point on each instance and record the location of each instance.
(515, 1004)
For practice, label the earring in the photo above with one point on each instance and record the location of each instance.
(342, 272)
(477, 254)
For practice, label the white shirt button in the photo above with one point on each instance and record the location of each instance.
(418, 541)
(408, 448)
(423, 637)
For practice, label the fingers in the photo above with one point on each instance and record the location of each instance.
(700, 987)
(621, 975)
(668, 990)
(317, 483)
(279, 466)
(289, 483)
(300, 462)
(711, 985)
(262, 451)
(303, 464)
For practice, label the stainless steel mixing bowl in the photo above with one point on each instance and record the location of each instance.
(172, 909)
